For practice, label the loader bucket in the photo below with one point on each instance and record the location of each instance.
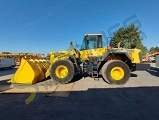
(30, 71)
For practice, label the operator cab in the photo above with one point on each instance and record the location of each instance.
(92, 41)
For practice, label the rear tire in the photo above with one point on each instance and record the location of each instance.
(62, 71)
(115, 72)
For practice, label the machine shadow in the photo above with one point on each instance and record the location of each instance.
(4, 85)
(79, 77)
(100, 104)
(93, 104)
(153, 71)
(133, 75)
(5, 82)
(7, 71)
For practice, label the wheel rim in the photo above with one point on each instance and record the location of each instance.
(117, 73)
(61, 71)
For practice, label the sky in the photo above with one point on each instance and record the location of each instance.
(41, 26)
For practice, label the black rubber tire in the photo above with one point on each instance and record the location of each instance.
(108, 66)
(68, 78)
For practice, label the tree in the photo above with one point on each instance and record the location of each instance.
(129, 37)
(6, 53)
(143, 48)
(153, 50)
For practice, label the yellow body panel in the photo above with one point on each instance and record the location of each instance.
(85, 54)
(30, 71)
(135, 55)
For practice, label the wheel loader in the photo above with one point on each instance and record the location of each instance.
(114, 65)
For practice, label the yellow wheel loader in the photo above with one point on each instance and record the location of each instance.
(113, 64)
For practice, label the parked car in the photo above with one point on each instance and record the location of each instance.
(152, 59)
(7, 63)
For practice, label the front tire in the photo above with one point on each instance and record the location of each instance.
(62, 71)
(115, 72)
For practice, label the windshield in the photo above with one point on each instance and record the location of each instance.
(92, 42)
